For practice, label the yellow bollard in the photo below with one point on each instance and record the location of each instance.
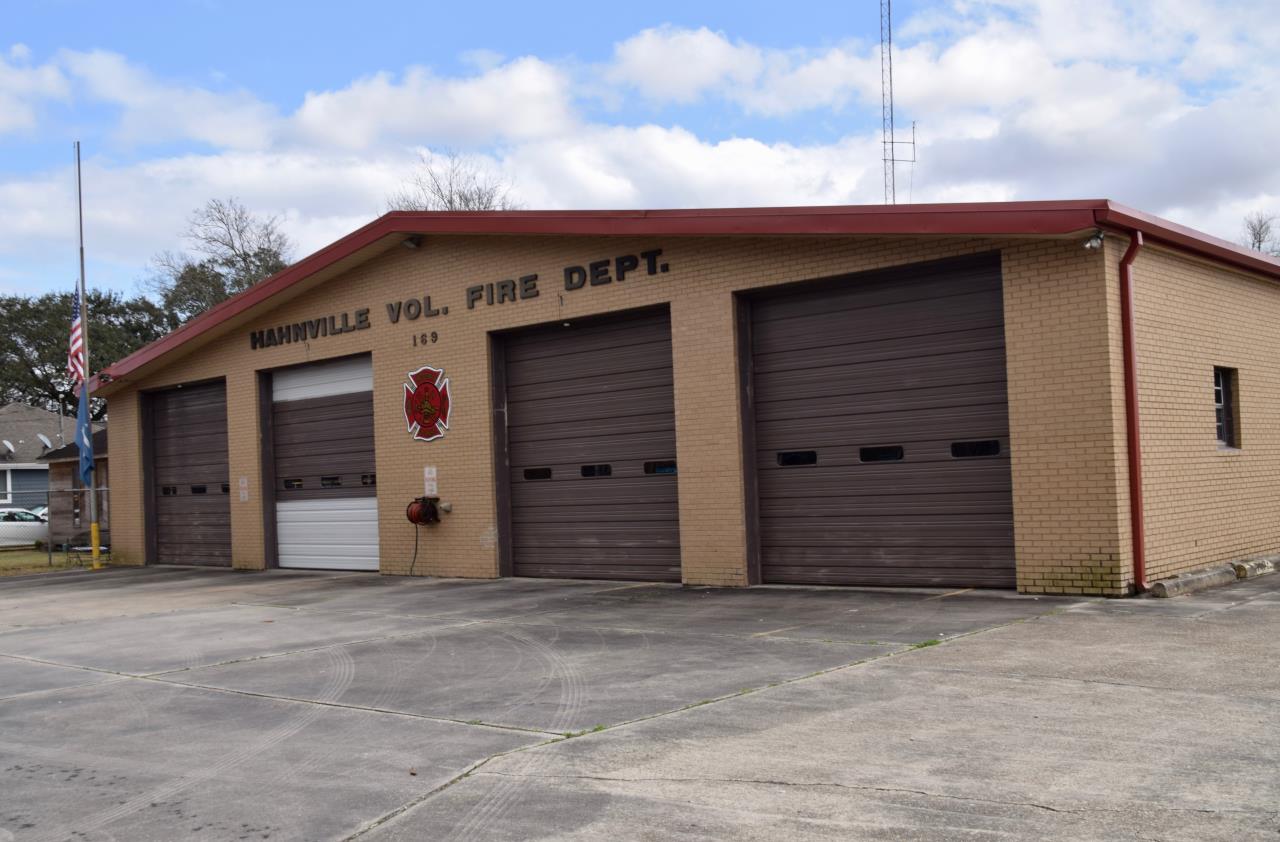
(94, 542)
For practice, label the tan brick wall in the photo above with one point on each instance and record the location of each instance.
(1066, 430)
(1045, 281)
(1206, 504)
(124, 443)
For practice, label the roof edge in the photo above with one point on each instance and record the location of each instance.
(982, 219)
(1187, 239)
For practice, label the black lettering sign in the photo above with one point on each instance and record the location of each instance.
(599, 273)
(308, 329)
(624, 264)
(594, 273)
(651, 260)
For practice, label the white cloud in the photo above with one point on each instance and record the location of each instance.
(482, 59)
(153, 111)
(524, 98)
(680, 65)
(652, 166)
(134, 211)
(1017, 99)
(23, 87)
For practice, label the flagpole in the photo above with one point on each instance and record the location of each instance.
(94, 531)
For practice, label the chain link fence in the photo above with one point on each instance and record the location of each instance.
(61, 531)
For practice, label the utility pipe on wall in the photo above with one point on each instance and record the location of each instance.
(1132, 432)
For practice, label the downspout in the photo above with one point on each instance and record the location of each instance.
(1132, 433)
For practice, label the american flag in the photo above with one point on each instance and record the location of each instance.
(75, 352)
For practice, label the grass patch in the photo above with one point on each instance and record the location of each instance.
(569, 735)
(925, 643)
(23, 562)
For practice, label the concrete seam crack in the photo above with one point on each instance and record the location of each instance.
(345, 706)
(303, 651)
(873, 788)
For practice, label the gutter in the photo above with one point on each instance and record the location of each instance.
(1133, 435)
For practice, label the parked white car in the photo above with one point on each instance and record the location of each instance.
(40, 511)
(21, 528)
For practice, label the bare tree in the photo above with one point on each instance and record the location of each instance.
(450, 182)
(231, 250)
(1259, 232)
(239, 242)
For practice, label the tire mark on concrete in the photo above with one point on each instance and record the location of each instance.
(386, 692)
(339, 681)
(498, 800)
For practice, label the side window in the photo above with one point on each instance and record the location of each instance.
(1226, 406)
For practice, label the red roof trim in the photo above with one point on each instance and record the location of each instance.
(970, 219)
(1188, 239)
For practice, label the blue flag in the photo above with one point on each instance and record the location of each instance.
(84, 437)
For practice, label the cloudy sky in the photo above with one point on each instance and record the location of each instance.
(316, 111)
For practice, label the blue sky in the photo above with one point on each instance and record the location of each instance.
(316, 112)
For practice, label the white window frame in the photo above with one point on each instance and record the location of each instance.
(8, 486)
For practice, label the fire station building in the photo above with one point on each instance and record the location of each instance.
(1058, 397)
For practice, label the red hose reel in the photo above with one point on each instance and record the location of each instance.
(423, 511)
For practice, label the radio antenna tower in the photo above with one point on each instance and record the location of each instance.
(889, 141)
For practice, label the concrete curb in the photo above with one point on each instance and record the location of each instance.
(1257, 566)
(1188, 582)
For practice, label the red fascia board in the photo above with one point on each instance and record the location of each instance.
(237, 304)
(1187, 239)
(1053, 218)
(947, 219)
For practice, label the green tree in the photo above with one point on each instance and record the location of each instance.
(33, 359)
(231, 250)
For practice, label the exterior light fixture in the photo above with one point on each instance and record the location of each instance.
(1095, 242)
(412, 242)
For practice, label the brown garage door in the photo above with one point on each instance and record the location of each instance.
(592, 448)
(190, 476)
(881, 429)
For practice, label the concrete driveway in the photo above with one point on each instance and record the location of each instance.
(167, 703)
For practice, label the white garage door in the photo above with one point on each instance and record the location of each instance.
(337, 534)
(325, 479)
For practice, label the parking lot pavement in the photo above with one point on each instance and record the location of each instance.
(171, 703)
(1108, 720)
